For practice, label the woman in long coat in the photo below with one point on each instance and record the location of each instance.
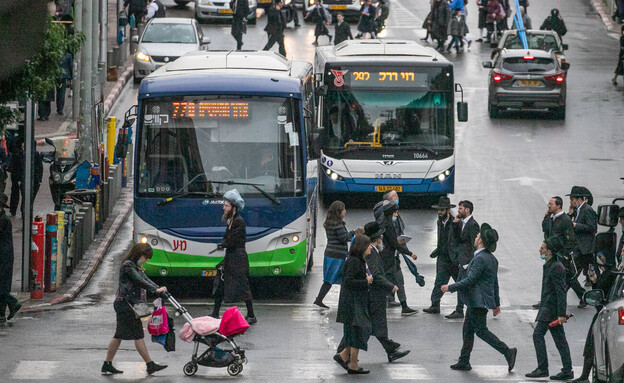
(619, 70)
(368, 14)
(319, 15)
(353, 306)
(440, 17)
(232, 280)
(6, 264)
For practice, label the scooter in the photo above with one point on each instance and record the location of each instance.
(63, 166)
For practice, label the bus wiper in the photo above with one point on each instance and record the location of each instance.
(176, 196)
(413, 144)
(193, 180)
(255, 186)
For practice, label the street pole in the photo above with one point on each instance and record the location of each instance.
(97, 85)
(103, 40)
(27, 199)
(85, 134)
(77, 86)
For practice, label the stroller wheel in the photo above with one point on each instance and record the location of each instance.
(190, 369)
(234, 368)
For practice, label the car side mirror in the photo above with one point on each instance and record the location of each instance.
(594, 297)
(565, 66)
(49, 141)
(205, 40)
(48, 158)
(487, 64)
(564, 46)
(135, 39)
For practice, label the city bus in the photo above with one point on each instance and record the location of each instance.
(385, 119)
(214, 121)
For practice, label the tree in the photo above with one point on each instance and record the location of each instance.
(40, 74)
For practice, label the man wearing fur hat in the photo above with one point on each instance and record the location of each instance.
(479, 289)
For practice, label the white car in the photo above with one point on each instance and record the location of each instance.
(608, 333)
(220, 9)
(164, 39)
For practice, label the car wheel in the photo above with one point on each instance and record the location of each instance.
(560, 112)
(181, 3)
(493, 110)
(136, 80)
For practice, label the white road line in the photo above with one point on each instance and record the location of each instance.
(404, 371)
(35, 369)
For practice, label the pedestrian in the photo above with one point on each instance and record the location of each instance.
(480, 291)
(440, 17)
(338, 238)
(366, 26)
(4, 163)
(445, 269)
(526, 20)
(322, 18)
(16, 168)
(465, 36)
(44, 106)
(275, 27)
(524, 4)
(618, 253)
(240, 9)
(618, 13)
(232, 280)
(464, 231)
(342, 30)
(554, 22)
(553, 308)
(390, 254)
(482, 5)
(155, 9)
(353, 306)
(585, 223)
(456, 30)
(66, 76)
(133, 284)
(427, 23)
(495, 17)
(619, 69)
(6, 264)
(603, 282)
(136, 9)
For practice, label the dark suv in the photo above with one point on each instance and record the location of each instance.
(527, 79)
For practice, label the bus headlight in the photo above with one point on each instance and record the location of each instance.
(333, 175)
(310, 2)
(144, 239)
(442, 176)
(295, 238)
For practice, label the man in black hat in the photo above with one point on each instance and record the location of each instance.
(479, 291)
(464, 231)
(445, 269)
(390, 256)
(379, 289)
(552, 308)
(275, 27)
(585, 223)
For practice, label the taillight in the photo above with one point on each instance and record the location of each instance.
(621, 315)
(498, 76)
(528, 57)
(558, 77)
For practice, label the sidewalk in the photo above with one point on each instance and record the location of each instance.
(58, 126)
(605, 14)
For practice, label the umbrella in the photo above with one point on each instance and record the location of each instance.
(414, 270)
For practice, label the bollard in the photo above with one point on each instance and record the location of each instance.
(51, 253)
(36, 259)
(118, 177)
(61, 258)
(104, 204)
(78, 242)
(67, 206)
(90, 221)
(111, 133)
(111, 198)
(117, 58)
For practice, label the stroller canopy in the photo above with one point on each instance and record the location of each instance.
(233, 322)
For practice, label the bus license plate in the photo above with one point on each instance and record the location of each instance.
(225, 10)
(529, 83)
(264, 1)
(209, 273)
(337, 7)
(383, 189)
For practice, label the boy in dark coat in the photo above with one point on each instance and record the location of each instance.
(6, 264)
(342, 31)
(275, 28)
(456, 30)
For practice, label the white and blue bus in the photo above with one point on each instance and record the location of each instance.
(214, 121)
(385, 118)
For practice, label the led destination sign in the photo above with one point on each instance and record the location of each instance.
(368, 79)
(211, 109)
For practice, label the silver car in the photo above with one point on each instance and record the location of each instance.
(220, 9)
(164, 39)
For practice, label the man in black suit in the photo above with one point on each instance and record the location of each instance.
(464, 231)
(553, 308)
(618, 253)
(445, 269)
(240, 9)
(275, 27)
(585, 223)
(479, 290)
(342, 31)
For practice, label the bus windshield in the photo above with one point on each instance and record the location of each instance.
(185, 142)
(378, 118)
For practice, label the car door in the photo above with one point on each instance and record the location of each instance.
(606, 331)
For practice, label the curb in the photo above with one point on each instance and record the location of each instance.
(606, 19)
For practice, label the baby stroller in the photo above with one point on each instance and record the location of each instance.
(230, 356)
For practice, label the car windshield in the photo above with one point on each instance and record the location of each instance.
(165, 33)
(541, 42)
(185, 142)
(534, 64)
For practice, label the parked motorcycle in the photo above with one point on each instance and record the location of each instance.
(63, 166)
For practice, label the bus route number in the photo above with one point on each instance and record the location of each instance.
(361, 76)
(386, 76)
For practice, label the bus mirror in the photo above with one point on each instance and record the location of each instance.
(462, 111)
(315, 146)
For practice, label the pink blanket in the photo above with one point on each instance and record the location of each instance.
(203, 326)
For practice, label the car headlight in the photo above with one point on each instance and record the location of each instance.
(287, 2)
(333, 175)
(67, 177)
(311, 2)
(442, 176)
(142, 56)
(56, 177)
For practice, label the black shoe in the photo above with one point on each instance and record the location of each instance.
(479, 40)
(321, 304)
(408, 311)
(251, 320)
(60, 113)
(537, 305)
(13, 310)
(511, 358)
(341, 362)
(563, 376)
(582, 379)
(315, 43)
(40, 119)
(581, 304)
(537, 373)
(108, 369)
(153, 367)
(455, 315)
(459, 366)
(432, 310)
(397, 355)
(469, 43)
(297, 25)
(359, 371)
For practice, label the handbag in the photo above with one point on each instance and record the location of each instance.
(141, 310)
(159, 324)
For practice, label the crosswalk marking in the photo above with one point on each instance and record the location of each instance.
(35, 369)
(407, 372)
